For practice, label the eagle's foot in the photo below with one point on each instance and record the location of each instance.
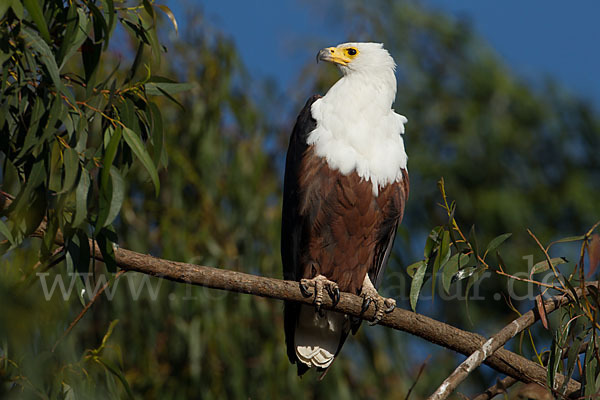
(382, 304)
(320, 284)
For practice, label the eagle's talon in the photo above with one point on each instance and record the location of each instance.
(304, 288)
(365, 305)
(390, 304)
(320, 284)
(382, 304)
(335, 294)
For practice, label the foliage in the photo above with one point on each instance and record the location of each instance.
(513, 157)
(70, 128)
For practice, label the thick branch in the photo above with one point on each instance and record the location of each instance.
(429, 329)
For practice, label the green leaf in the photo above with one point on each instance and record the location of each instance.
(113, 370)
(71, 169)
(118, 194)
(568, 239)
(136, 145)
(71, 271)
(465, 273)
(4, 6)
(81, 195)
(589, 371)
(106, 238)
(455, 263)
(410, 270)
(78, 260)
(496, 242)
(31, 138)
(6, 233)
(35, 11)
(113, 137)
(78, 29)
(544, 266)
(159, 88)
(441, 258)
(572, 357)
(431, 242)
(416, 285)
(17, 8)
(553, 362)
(47, 58)
(109, 10)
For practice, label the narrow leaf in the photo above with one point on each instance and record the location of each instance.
(136, 145)
(70, 168)
(416, 285)
(544, 266)
(171, 16)
(81, 194)
(496, 242)
(6, 232)
(118, 194)
(410, 270)
(35, 11)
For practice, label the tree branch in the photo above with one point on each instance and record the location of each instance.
(499, 387)
(497, 341)
(424, 327)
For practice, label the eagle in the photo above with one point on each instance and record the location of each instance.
(345, 188)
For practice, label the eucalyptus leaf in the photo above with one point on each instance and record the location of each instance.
(416, 285)
(136, 145)
(544, 265)
(496, 242)
(35, 12)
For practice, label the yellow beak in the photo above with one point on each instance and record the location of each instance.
(334, 55)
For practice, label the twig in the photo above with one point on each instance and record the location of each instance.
(496, 342)
(499, 387)
(417, 378)
(86, 308)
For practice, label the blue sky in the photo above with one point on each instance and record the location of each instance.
(536, 39)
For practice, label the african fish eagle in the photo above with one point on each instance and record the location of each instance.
(345, 188)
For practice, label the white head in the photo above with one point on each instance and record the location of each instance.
(359, 57)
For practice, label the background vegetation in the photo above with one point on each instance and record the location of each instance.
(92, 119)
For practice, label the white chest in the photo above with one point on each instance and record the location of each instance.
(361, 136)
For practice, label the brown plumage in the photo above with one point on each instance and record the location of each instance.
(333, 224)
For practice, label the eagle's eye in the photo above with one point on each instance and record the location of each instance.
(351, 51)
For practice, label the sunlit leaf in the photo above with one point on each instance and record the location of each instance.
(171, 16)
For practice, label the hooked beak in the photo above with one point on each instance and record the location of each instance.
(333, 55)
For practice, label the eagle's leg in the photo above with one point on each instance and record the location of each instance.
(370, 295)
(320, 283)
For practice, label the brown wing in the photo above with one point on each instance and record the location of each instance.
(347, 231)
(332, 224)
